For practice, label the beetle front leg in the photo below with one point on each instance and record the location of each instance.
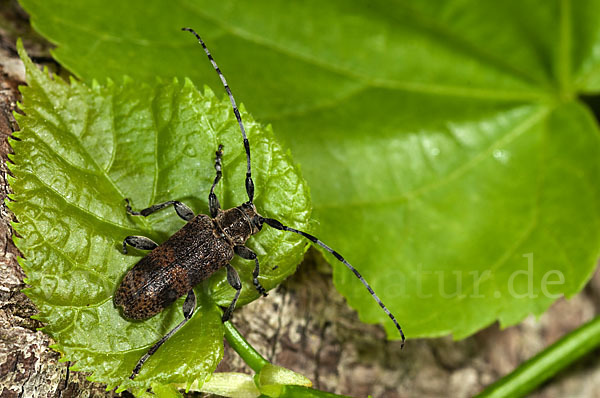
(234, 280)
(213, 201)
(189, 306)
(182, 210)
(139, 242)
(248, 254)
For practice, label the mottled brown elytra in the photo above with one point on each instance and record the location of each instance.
(204, 245)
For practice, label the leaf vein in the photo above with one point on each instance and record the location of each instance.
(89, 157)
(81, 209)
(439, 89)
(453, 175)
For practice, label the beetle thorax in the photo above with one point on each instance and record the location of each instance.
(239, 223)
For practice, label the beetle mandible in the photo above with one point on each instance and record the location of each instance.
(201, 247)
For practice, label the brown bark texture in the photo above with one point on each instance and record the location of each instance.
(304, 325)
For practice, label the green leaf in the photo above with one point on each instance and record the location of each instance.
(444, 143)
(80, 151)
(165, 391)
(273, 379)
(272, 374)
(238, 385)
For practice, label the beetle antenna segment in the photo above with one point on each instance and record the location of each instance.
(278, 225)
(249, 182)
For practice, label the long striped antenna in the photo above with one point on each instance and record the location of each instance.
(249, 182)
(272, 222)
(278, 225)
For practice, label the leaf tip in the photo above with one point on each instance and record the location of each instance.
(208, 93)
(188, 83)
(9, 199)
(29, 65)
(21, 51)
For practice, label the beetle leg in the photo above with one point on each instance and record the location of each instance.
(234, 280)
(182, 210)
(248, 254)
(189, 306)
(139, 242)
(213, 202)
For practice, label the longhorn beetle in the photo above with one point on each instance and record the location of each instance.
(202, 246)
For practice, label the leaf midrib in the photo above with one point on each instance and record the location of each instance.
(387, 83)
(89, 157)
(564, 64)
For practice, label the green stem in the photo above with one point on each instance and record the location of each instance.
(307, 392)
(243, 348)
(547, 363)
